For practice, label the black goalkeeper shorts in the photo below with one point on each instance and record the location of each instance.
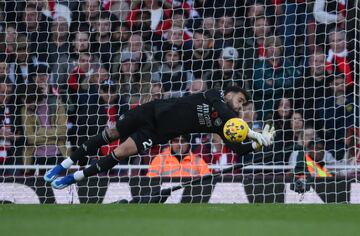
(140, 124)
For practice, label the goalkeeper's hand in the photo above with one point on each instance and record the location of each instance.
(264, 139)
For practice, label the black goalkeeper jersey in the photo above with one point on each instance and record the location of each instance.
(199, 113)
(158, 121)
(191, 114)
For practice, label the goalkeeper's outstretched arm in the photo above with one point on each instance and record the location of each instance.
(257, 141)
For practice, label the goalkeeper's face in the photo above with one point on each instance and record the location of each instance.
(235, 101)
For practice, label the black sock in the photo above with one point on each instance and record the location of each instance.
(104, 164)
(90, 147)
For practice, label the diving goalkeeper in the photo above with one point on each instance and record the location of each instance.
(157, 122)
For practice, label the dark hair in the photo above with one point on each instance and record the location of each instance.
(85, 53)
(259, 18)
(104, 15)
(237, 89)
(144, 12)
(313, 143)
(32, 6)
(282, 122)
(108, 86)
(35, 70)
(202, 31)
(32, 92)
(180, 11)
(300, 111)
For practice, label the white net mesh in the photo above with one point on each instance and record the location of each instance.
(70, 69)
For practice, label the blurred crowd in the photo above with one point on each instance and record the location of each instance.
(69, 69)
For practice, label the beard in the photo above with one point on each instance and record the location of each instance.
(232, 107)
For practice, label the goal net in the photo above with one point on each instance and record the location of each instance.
(70, 69)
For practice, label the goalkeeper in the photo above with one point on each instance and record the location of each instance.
(157, 122)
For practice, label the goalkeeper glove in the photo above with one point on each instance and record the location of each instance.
(266, 138)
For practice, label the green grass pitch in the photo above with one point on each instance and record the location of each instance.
(173, 220)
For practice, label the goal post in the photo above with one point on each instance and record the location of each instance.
(70, 69)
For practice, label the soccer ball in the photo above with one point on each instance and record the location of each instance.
(235, 130)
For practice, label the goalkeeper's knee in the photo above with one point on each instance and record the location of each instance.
(93, 144)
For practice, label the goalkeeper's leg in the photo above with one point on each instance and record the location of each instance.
(123, 151)
(90, 147)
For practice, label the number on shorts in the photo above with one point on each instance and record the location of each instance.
(147, 144)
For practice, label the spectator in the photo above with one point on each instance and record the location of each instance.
(11, 140)
(37, 27)
(54, 10)
(92, 82)
(74, 91)
(225, 73)
(253, 10)
(76, 83)
(209, 24)
(18, 70)
(283, 138)
(186, 5)
(307, 134)
(137, 49)
(102, 46)
(178, 161)
(338, 58)
(130, 77)
(175, 37)
(98, 77)
(197, 86)
(142, 26)
(10, 40)
(254, 45)
(214, 8)
(175, 80)
(120, 36)
(313, 161)
(352, 142)
(81, 42)
(180, 18)
(274, 77)
(203, 54)
(328, 15)
(86, 15)
(45, 122)
(297, 125)
(293, 22)
(338, 115)
(59, 49)
(159, 15)
(119, 8)
(251, 117)
(112, 105)
(314, 88)
(80, 45)
(221, 154)
(225, 33)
